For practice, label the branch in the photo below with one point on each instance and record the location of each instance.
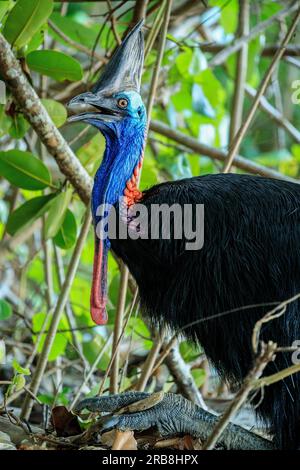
(217, 154)
(225, 53)
(275, 114)
(234, 147)
(60, 306)
(268, 51)
(35, 113)
(183, 377)
(240, 71)
(261, 362)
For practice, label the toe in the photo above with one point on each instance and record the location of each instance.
(110, 403)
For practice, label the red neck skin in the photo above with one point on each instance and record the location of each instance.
(99, 285)
(98, 298)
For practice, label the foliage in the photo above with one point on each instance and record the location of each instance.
(192, 98)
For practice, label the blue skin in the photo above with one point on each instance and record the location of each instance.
(124, 147)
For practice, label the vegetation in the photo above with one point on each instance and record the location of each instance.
(215, 55)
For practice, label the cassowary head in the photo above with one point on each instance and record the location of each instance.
(115, 103)
(115, 107)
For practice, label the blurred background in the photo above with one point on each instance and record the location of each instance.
(205, 88)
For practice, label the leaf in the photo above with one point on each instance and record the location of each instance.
(67, 234)
(55, 64)
(74, 30)
(124, 440)
(60, 341)
(56, 111)
(2, 352)
(200, 103)
(5, 310)
(20, 369)
(19, 382)
(19, 126)
(25, 19)
(28, 213)
(57, 213)
(64, 422)
(4, 6)
(24, 170)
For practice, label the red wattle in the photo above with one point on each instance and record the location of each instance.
(98, 292)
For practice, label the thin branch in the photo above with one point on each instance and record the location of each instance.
(234, 147)
(114, 375)
(240, 71)
(217, 154)
(38, 117)
(74, 44)
(150, 361)
(275, 114)
(61, 303)
(261, 362)
(182, 376)
(225, 53)
(161, 48)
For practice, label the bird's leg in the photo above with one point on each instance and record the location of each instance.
(173, 415)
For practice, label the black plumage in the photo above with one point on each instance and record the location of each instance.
(250, 256)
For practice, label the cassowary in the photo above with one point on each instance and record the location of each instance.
(249, 262)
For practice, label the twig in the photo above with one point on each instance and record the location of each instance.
(150, 361)
(217, 154)
(161, 48)
(266, 355)
(92, 370)
(69, 313)
(182, 375)
(74, 44)
(61, 303)
(276, 312)
(114, 375)
(38, 117)
(240, 71)
(234, 147)
(275, 114)
(225, 53)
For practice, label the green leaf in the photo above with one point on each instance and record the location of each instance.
(57, 213)
(2, 352)
(56, 111)
(24, 170)
(19, 126)
(4, 6)
(55, 64)
(60, 341)
(20, 369)
(25, 19)
(19, 382)
(74, 30)
(28, 212)
(5, 310)
(67, 234)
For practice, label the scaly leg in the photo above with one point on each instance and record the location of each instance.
(173, 415)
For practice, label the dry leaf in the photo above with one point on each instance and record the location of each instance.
(124, 440)
(64, 422)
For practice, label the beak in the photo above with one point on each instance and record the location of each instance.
(88, 106)
(123, 72)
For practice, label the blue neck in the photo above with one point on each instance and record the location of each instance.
(123, 152)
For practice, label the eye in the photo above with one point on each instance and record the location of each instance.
(122, 103)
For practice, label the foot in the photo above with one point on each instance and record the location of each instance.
(170, 414)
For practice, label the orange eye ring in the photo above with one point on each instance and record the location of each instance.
(122, 103)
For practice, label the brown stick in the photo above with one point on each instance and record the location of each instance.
(240, 71)
(234, 147)
(217, 154)
(38, 117)
(261, 362)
